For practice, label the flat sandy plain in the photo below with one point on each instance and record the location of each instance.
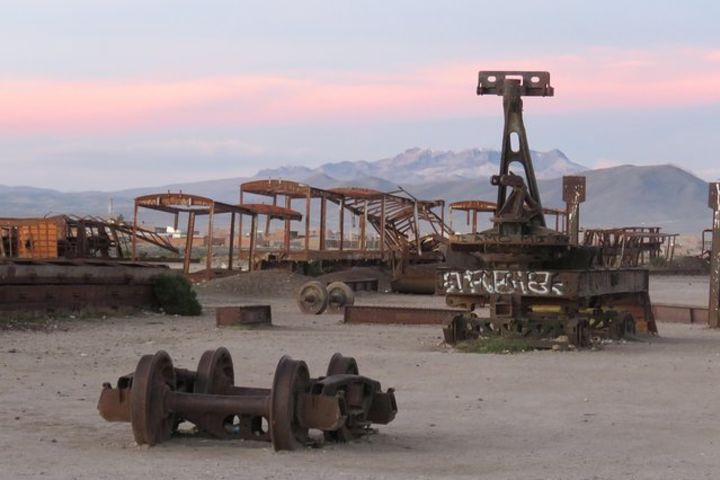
(640, 410)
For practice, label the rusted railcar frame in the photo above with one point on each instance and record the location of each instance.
(193, 205)
(394, 216)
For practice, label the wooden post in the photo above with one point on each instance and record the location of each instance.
(342, 224)
(714, 303)
(417, 229)
(363, 223)
(134, 234)
(323, 221)
(189, 242)
(232, 241)
(268, 218)
(286, 236)
(253, 235)
(382, 225)
(240, 225)
(308, 202)
(208, 259)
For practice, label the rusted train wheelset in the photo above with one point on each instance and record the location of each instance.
(157, 397)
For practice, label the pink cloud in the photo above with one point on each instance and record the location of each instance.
(599, 79)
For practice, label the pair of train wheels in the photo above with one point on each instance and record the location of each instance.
(316, 298)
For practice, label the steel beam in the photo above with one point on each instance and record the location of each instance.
(243, 315)
(398, 315)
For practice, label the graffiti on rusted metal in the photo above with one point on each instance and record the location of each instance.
(503, 282)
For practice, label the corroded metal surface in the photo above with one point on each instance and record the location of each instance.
(243, 315)
(398, 315)
(157, 397)
(61, 285)
(312, 298)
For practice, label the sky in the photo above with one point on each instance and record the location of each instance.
(107, 95)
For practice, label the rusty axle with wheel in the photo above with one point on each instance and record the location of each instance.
(157, 398)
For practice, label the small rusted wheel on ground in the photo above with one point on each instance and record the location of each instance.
(312, 298)
(340, 295)
(153, 378)
(340, 364)
(215, 373)
(215, 376)
(291, 380)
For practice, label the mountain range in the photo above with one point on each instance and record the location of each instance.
(420, 166)
(660, 195)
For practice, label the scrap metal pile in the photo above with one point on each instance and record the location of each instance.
(538, 283)
(158, 397)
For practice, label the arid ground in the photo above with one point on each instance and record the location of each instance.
(638, 410)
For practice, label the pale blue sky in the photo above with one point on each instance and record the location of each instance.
(69, 66)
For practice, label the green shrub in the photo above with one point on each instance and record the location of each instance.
(494, 345)
(176, 296)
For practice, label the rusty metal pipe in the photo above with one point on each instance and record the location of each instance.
(248, 391)
(194, 403)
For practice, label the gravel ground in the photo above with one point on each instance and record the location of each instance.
(640, 410)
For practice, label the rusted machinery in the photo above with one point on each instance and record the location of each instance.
(68, 236)
(537, 283)
(158, 397)
(315, 297)
(28, 285)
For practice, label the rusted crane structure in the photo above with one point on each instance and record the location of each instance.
(537, 282)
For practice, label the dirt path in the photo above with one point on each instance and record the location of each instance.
(646, 410)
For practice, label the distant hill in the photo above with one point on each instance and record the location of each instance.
(417, 166)
(662, 195)
(658, 195)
